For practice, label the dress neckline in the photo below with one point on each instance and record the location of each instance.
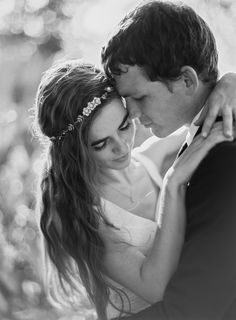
(156, 179)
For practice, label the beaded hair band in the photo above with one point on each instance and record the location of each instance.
(85, 113)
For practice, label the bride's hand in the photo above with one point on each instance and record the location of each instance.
(183, 168)
(221, 102)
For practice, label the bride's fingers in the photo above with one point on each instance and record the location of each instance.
(189, 160)
(200, 146)
(202, 116)
(204, 146)
(207, 118)
(216, 135)
(227, 121)
(216, 130)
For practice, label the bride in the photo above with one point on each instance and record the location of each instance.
(112, 217)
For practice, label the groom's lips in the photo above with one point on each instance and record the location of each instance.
(147, 125)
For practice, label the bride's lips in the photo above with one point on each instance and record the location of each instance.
(123, 158)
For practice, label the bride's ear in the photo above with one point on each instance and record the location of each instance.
(189, 79)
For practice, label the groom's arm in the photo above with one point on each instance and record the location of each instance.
(204, 285)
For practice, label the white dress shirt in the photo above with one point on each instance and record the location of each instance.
(192, 129)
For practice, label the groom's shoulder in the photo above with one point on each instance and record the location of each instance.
(221, 158)
(216, 174)
(223, 151)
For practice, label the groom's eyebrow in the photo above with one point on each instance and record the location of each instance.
(104, 139)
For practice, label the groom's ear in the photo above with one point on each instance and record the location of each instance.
(189, 80)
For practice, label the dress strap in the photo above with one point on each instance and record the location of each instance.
(150, 167)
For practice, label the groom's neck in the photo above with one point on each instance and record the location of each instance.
(199, 100)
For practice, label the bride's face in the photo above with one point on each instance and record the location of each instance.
(111, 136)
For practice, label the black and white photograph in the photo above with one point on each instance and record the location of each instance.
(117, 160)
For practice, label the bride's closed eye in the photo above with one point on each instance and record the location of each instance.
(100, 146)
(124, 127)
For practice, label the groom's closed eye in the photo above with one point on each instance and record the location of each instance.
(139, 99)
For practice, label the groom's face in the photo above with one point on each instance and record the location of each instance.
(152, 102)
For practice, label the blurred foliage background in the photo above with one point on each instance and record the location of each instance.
(33, 34)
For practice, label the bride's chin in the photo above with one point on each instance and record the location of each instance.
(123, 165)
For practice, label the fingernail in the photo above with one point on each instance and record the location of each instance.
(229, 134)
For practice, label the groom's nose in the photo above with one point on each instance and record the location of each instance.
(133, 108)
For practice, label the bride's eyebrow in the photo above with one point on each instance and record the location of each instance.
(94, 143)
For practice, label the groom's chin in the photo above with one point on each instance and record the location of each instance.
(162, 132)
(159, 133)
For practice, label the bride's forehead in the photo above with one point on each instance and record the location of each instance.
(109, 117)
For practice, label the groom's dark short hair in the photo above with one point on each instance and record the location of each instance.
(162, 37)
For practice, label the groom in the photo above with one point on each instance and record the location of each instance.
(164, 61)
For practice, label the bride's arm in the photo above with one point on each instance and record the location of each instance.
(163, 151)
(147, 276)
(221, 102)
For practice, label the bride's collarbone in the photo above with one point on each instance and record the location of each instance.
(141, 202)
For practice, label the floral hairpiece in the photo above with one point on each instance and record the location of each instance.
(85, 113)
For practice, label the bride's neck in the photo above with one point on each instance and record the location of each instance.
(109, 176)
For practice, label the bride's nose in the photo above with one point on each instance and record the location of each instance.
(121, 146)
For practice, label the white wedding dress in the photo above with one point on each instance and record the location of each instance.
(135, 230)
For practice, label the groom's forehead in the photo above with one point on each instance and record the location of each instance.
(124, 85)
(130, 80)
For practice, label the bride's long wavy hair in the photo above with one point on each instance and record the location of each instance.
(68, 201)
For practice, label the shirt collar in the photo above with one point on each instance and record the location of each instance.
(192, 129)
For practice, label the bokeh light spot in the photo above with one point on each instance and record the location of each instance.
(17, 235)
(29, 234)
(34, 5)
(6, 7)
(16, 187)
(34, 26)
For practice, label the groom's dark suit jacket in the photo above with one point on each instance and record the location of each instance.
(204, 285)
